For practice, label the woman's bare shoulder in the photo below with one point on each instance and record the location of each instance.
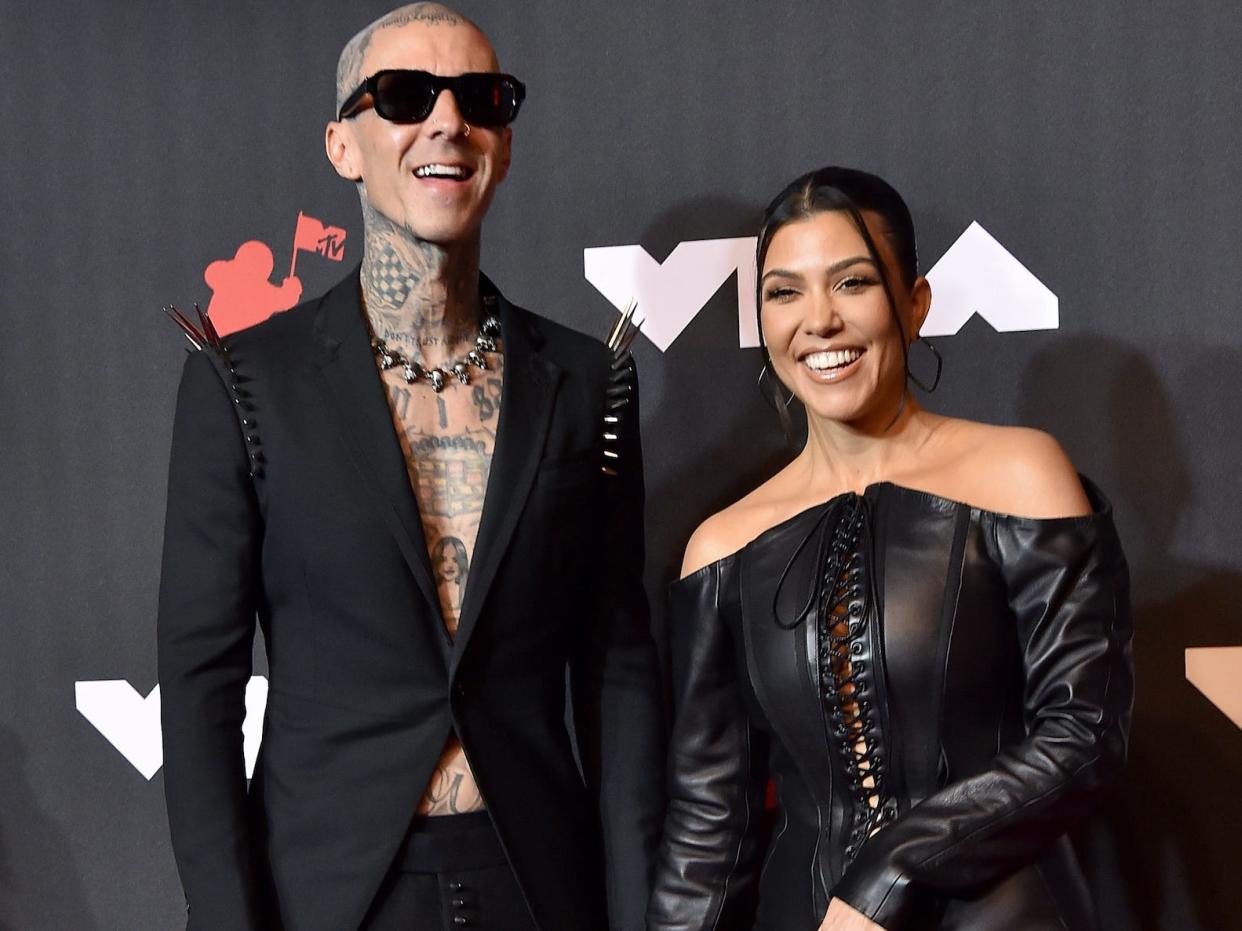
(727, 531)
(1014, 470)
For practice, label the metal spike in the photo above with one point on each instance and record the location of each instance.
(187, 329)
(628, 337)
(209, 328)
(622, 325)
(184, 321)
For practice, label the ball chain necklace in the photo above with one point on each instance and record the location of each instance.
(413, 371)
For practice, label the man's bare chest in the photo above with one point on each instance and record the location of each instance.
(448, 439)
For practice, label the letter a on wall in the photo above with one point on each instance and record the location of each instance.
(980, 276)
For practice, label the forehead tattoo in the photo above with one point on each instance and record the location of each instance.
(349, 66)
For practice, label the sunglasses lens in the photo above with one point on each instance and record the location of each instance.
(487, 99)
(404, 96)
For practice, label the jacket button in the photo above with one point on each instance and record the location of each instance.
(459, 689)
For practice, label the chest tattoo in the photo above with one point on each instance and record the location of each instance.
(448, 440)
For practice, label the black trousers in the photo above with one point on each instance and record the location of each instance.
(450, 874)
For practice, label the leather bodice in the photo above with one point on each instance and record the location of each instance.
(937, 691)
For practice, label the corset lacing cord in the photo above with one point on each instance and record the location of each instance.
(842, 592)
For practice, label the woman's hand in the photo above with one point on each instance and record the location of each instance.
(842, 917)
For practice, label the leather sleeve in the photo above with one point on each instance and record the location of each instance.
(205, 632)
(708, 863)
(615, 681)
(1068, 590)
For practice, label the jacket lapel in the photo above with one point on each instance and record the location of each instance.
(526, 401)
(359, 408)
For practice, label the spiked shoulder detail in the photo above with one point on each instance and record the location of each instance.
(203, 337)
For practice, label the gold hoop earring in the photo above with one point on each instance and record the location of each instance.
(467, 132)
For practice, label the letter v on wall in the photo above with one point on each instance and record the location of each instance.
(131, 723)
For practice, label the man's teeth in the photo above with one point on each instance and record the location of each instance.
(832, 360)
(458, 172)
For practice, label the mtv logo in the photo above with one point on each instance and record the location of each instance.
(977, 275)
(131, 723)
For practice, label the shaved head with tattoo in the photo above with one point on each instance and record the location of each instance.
(438, 523)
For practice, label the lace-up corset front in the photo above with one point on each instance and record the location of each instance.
(848, 649)
(935, 690)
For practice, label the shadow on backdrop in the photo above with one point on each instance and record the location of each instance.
(708, 436)
(40, 884)
(1161, 854)
(711, 437)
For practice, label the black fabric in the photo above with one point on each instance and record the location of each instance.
(325, 547)
(987, 740)
(451, 842)
(451, 873)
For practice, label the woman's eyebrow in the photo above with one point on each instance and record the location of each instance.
(831, 270)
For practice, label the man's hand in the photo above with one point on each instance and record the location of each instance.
(842, 917)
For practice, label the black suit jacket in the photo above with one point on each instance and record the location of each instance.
(325, 548)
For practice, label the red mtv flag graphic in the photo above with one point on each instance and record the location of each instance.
(241, 292)
(312, 235)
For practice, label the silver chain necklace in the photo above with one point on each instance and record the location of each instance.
(459, 368)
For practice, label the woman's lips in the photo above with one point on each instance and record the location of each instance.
(831, 365)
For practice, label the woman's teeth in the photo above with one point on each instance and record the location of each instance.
(831, 360)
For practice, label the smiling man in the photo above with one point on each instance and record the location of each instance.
(431, 501)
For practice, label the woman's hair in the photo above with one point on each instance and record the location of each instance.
(455, 550)
(849, 191)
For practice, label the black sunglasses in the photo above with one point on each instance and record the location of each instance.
(403, 96)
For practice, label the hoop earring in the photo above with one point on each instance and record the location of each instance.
(939, 366)
(467, 132)
(759, 382)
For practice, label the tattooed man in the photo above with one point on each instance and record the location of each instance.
(431, 501)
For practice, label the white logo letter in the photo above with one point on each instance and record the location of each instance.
(131, 723)
(979, 276)
(669, 296)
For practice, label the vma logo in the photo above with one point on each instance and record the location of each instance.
(977, 275)
(131, 723)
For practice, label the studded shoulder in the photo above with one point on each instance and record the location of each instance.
(622, 377)
(204, 338)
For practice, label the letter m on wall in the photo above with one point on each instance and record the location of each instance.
(671, 294)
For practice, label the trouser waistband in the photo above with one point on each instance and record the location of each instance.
(451, 842)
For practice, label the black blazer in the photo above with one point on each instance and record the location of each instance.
(324, 546)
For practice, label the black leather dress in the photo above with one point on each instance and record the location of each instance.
(938, 692)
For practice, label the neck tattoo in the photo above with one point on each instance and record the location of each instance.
(420, 298)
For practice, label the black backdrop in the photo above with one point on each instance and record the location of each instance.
(1098, 142)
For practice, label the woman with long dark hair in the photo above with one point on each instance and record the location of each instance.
(918, 631)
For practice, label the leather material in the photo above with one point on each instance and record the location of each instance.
(325, 549)
(986, 699)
